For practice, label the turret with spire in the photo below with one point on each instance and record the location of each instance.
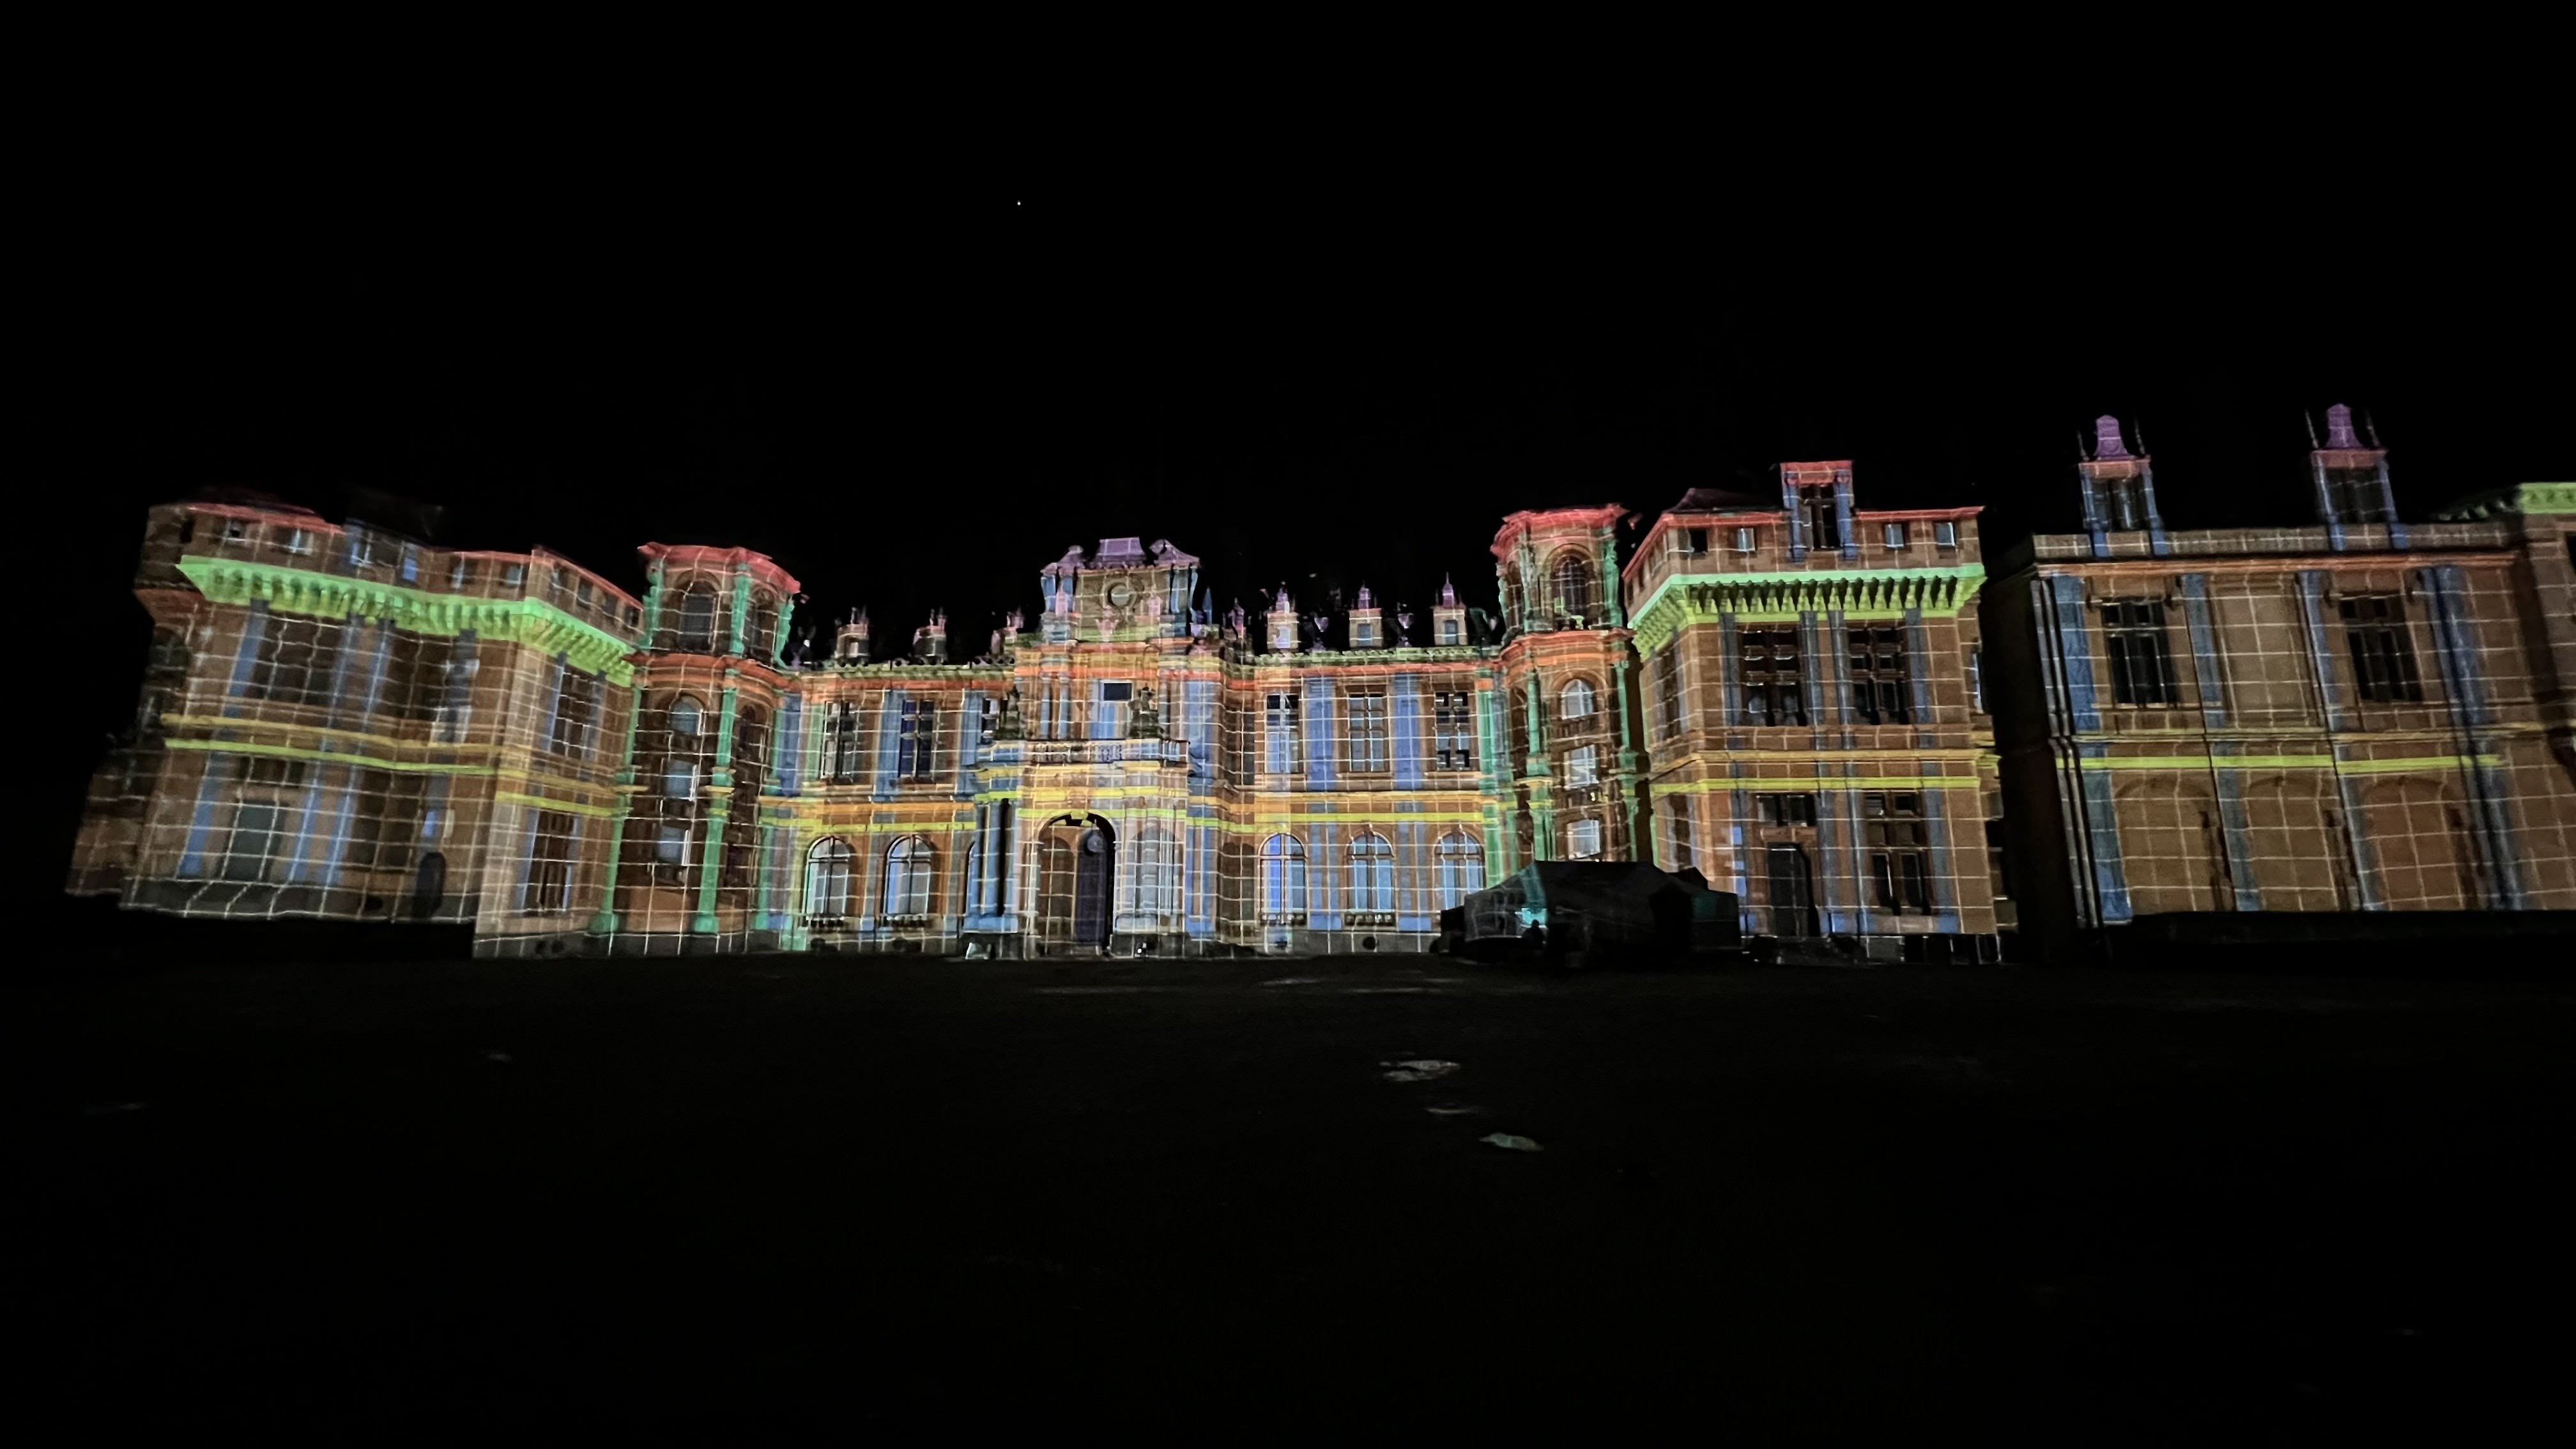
(1281, 623)
(1448, 618)
(1367, 622)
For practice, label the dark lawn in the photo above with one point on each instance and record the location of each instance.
(749, 1194)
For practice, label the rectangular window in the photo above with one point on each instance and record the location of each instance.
(1744, 540)
(298, 541)
(1284, 756)
(549, 888)
(1945, 535)
(362, 551)
(1453, 730)
(295, 661)
(1878, 674)
(2133, 632)
(1898, 843)
(1977, 677)
(572, 714)
(1679, 853)
(1896, 535)
(1816, 511)
(840, 743)
(1582, 767)
(1368, 753)
(1799, 809)
(1694, 540)
(1767, 667)
(916, 746)
(457, 576)
(1668, 691)
(410, 567)
(235, 530)
(2123, 503)
(514, 575)
(581, 592)
(1583, 839)
(1452, 633)
(1364, 633)
(2353, 494)
(2383, 657)
(253, 842)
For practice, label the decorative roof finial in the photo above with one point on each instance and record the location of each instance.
(2339, 428)
(1365, 601)
(2107, 446)
(1448, 593)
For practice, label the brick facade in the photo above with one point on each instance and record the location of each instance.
(2360, 714)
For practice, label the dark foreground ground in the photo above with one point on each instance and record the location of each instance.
(746, 1195)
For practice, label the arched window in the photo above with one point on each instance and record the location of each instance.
(698, 617)
(1461, 865)
(1283, 879)
(688, 718)
(907, 877)
(1372, 874)
(1575, 702)
(827, 879)
(1572, 577)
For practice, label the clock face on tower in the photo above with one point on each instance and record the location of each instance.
(1120, 596)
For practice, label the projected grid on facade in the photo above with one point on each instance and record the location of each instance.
(1788, 694)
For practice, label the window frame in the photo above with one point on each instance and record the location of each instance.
(1882, 692)
(1365, 719)
(1770, 683)
(2380, 643)
(2137, 652)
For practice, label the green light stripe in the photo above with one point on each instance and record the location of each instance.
(531, 622)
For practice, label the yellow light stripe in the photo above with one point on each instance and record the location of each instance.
(511, 797)
(2290, 762)
(1822, 782)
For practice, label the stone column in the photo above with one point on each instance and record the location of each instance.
(719, 803)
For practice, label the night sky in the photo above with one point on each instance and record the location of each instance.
(919, 398)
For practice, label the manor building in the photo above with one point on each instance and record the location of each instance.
(1817, 706)
(2359, 714)
(340, 722)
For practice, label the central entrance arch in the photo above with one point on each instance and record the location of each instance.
(1077, 866)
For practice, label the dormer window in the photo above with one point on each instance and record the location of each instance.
(1816, 511)
(2124, 503)
(2354, 495)
(1451, 632)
